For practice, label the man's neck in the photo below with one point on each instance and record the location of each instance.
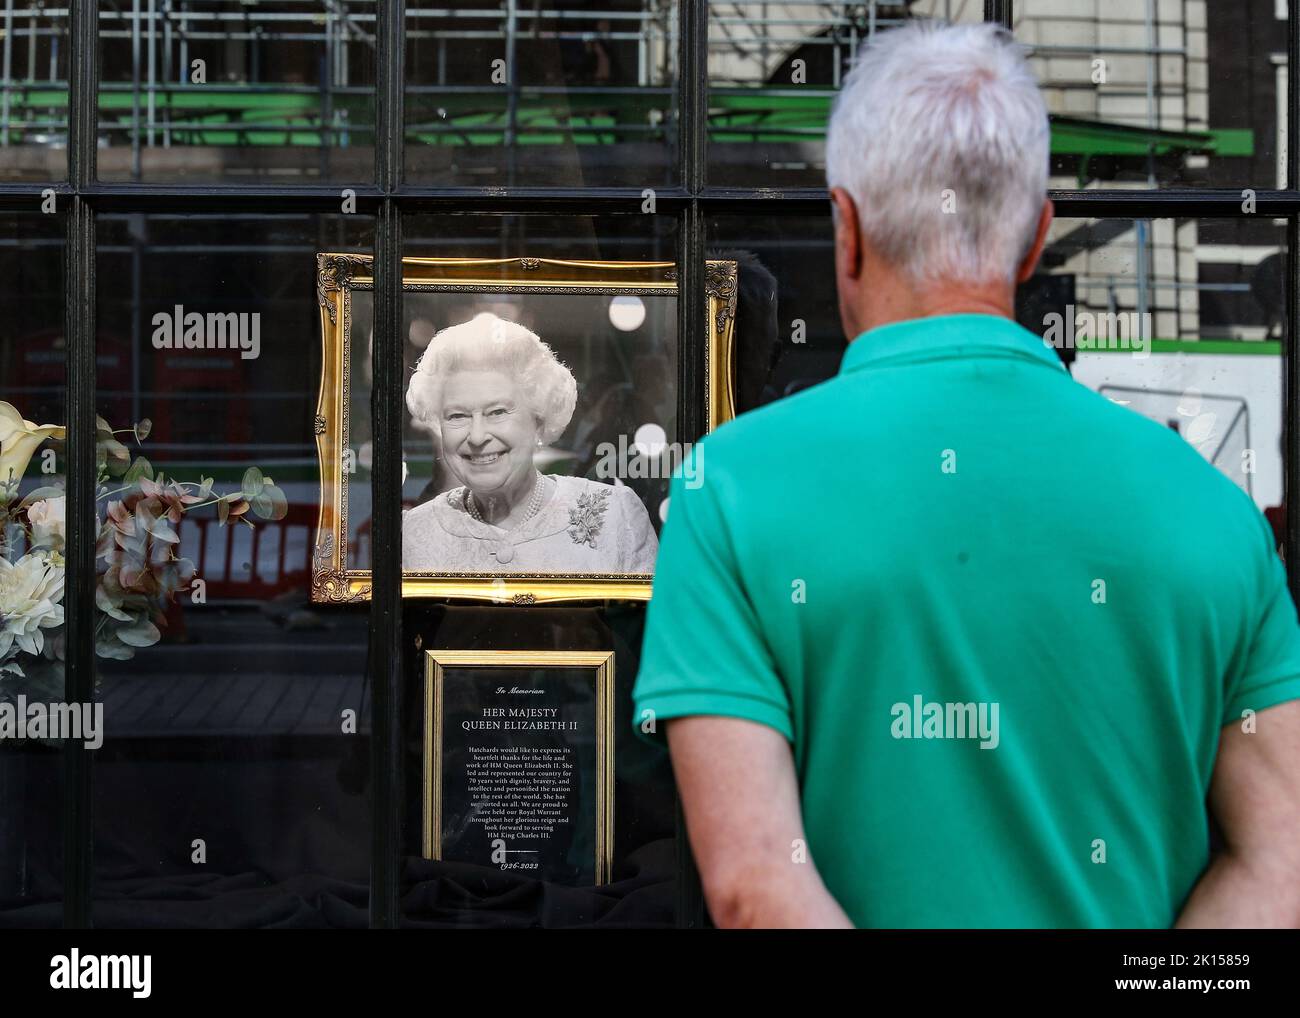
(902, 302)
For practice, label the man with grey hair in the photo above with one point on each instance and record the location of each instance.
(997, 640)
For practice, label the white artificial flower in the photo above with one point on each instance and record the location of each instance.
(19, 439)
(48, 518)
(31, 599)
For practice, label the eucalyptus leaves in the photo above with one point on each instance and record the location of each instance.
(140, 571)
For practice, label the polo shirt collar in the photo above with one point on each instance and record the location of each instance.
(942, 337)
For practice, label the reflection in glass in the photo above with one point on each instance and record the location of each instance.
(774, 69)
(230, 789)
(32, 565)
(566, 92)
(1209, 294)
(1161, 94)
(1142, 93)
(788, 333)
(1180, 320)
(33, 91)
(279, 90)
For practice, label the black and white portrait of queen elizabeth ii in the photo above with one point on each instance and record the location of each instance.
(493, 395)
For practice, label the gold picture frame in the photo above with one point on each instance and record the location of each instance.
(602, 664)
(338, 275)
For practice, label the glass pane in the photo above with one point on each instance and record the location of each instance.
(774, 69)
(556, 93)
(1209, 295)
(31, 556)
(626, 374)
(787, 333)
(1161, 94)
(34, 102)
(237, 90)
(232, 785)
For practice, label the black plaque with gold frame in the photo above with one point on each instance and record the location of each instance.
(613, 323)
(519, 762)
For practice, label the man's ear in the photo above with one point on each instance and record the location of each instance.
(1030, 262)
(848, 239)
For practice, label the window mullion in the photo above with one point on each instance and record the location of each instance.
(386, 482)
(79, 333)
(999, 11)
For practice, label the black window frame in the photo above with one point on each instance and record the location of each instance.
(81, 197)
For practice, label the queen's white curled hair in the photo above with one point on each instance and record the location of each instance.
(941, 137)
(489, 343)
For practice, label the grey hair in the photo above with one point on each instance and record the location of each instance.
(489, 343)
(941, 137)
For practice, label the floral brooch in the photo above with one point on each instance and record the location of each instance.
(588, 516)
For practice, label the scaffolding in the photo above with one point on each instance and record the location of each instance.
(295, 74)
(148, 97)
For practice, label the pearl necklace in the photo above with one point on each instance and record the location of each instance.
(534, 502)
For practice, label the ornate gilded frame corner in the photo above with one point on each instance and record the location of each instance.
(338, 275)
(602, 661)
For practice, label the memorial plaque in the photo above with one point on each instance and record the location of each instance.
(518, 762)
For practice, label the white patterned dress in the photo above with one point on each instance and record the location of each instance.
(583, 527)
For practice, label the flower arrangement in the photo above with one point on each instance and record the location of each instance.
(138, 566)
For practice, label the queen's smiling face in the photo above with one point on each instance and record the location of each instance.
(488, 434)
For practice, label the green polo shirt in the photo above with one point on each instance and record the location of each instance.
(1000, 619)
